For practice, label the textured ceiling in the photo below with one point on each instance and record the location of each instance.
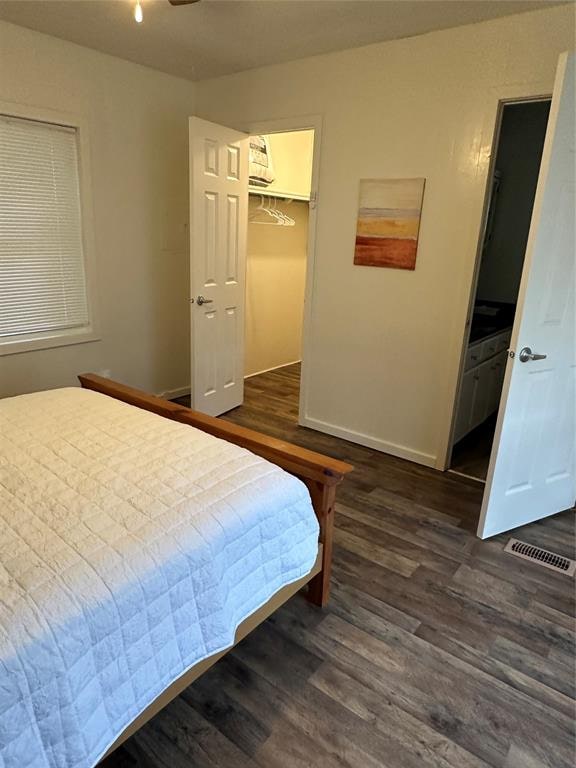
(217, 37)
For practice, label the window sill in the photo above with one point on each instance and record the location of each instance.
(49, 341)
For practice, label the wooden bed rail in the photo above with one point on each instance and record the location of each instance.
(320, 473)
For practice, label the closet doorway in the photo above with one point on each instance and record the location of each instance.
(280, 210)
(518, 146)
(220, 209)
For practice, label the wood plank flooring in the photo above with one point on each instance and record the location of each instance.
(436, 648)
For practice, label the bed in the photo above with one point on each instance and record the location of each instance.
(139, 541)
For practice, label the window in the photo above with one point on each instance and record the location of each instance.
(43, 291)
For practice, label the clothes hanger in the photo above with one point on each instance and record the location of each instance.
(272, 212)
(285, 219)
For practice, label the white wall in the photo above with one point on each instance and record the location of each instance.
(137, 120)
(385, 344)
(275, 280)
(291, 154)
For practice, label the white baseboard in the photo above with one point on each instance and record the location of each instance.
(427, 459)
(275, 368)
(172, 394)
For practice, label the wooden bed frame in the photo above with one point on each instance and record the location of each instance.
(321, 475)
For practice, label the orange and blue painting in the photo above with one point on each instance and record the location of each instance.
(388, 222)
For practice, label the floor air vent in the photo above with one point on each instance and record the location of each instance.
(541, 557)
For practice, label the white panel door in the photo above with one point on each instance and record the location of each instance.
(218, 221)
(532, 470)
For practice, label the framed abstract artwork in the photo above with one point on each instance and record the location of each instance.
(388, 222)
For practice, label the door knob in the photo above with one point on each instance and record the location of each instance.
(527, 354)
(201, 300)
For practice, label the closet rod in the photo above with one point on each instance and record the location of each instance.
(262, 191)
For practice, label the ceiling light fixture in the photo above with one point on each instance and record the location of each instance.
(138, 15)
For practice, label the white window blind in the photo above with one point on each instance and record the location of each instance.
(42, 277)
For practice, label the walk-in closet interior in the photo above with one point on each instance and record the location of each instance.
(278, 215)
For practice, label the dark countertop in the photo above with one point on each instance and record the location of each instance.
(489, 319)
(481, 334)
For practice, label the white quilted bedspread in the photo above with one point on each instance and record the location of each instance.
(131, 547)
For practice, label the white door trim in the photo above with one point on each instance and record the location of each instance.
(303, 123)
(497, 97)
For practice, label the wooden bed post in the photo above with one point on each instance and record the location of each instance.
(323, 500)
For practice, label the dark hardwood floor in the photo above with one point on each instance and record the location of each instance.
(437, 649)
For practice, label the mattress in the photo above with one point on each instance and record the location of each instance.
(131, 547)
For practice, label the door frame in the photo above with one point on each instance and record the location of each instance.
(520, 94)
(287, 125)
